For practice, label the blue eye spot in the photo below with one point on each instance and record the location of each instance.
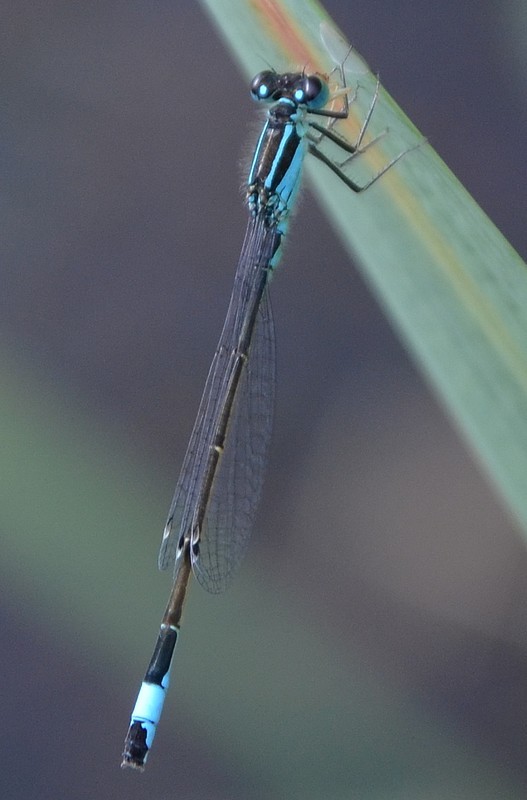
(299, 95)
(263, 90)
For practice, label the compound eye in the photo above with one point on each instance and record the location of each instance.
(312, 87)
(312, 91)
(263, 85)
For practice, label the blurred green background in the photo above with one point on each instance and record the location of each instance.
(374, 644)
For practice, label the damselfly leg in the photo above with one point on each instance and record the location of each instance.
(326, 132)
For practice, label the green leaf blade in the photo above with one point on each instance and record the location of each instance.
(449, 281)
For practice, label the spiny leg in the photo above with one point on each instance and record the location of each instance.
(367, 119)
(355, 148)
(356, 187)
(330, 113)
(333, 167)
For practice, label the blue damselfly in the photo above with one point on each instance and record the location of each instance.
(219, 486)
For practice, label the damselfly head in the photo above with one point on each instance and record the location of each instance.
(297, 88)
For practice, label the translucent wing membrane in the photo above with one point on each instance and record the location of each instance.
(221, 478)
(238, 483)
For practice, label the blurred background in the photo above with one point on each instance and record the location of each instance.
(374, 643)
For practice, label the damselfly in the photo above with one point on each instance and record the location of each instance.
(221, 479)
